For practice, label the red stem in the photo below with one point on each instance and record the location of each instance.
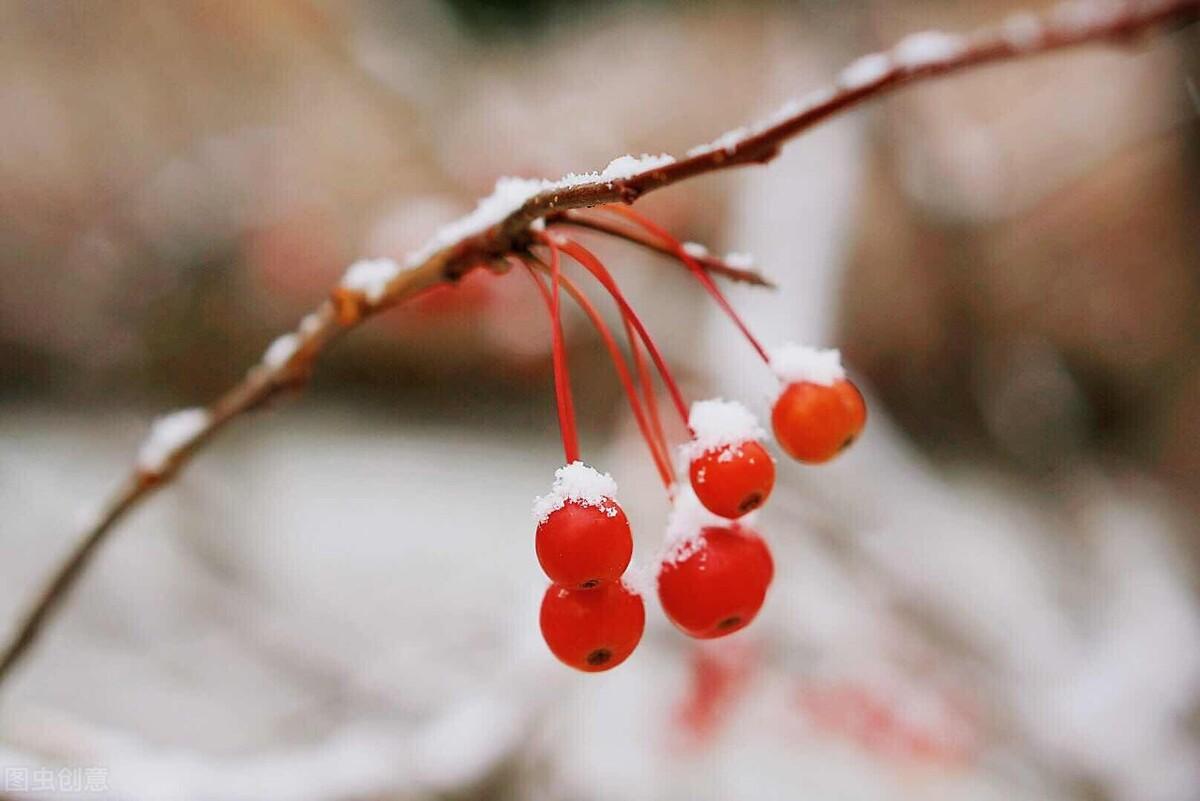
(701, 274)
(562, 379)
(657, 449)
(593, 265)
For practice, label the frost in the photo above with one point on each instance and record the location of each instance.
(865, 71)
(580, 484)
(168, 434)
(370, 277)
(281, 351)
(792, 363)
(717, 423)
(1022, 30)
(927, 47)
(695, 250)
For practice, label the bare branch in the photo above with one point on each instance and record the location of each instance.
(919, 57)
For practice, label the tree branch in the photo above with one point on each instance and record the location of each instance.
(486, 242)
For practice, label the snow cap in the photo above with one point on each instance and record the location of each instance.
(717, 423)
(793, 363)
(580, 484)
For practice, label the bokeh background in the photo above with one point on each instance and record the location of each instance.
(992, 596)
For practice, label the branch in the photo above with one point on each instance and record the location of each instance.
(711, 263)
(501, 225)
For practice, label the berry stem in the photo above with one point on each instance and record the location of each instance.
(657, 450)
(701, 274)
(593, 265)
(562, 380)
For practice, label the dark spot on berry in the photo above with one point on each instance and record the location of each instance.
(729, 622)
(599, 657)
(847, 443)
(587, 585)
(750, 502)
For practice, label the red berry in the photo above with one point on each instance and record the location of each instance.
(583, 545)
(733, 479)
(815, 422)
(719, 587)
(592, 630)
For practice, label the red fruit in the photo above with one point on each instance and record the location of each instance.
(582, 546)
(733, 479)
(815, 422)
(592, 630)
(719, 587)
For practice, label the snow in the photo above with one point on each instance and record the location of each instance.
(580, 484)
(717, 423)
(1079, 16)
(510, 194)
(167, 434)
(370, 277)
(739, 261)
(792, 363)
(730, 140)
(927, 47)
(1022, 30)
(687, 519)
(281, 351)
(695, 250)
(865, 71)
(310, 324)
(727, 141)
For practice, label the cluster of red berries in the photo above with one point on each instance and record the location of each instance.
(716, 570)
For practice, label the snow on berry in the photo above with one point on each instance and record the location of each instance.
(580, 484)
(687, 519)
(865, 71)
(370, 277)
(167, 434)
(927, 47)
(793, 363)
(281, 351)
(717, 423)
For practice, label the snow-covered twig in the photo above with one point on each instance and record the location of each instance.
(503, 224)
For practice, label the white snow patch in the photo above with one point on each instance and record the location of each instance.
(510, 194)
(739, 261)
(730, 140)
(167, 434)
(717, 423)
(792, 363)
(865, 71)
(370, 277)
(580, 484)
(688, 518)
(1023, 30)
(1079, 16)
(309, 324)
(695, 250)
(927, 47)
(281, 351)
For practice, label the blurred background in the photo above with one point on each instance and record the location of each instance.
(992, 596)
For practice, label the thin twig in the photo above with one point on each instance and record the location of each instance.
(713, 264)
(1072, 24)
